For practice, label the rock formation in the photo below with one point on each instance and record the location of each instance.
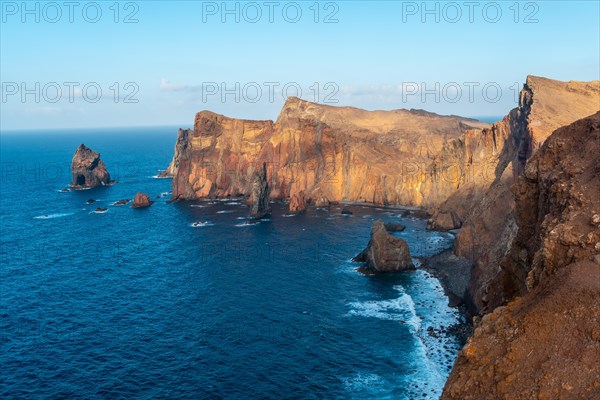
(183, 137)
(121, 202)
(385, 253)
(545, 344)
(260, 194)
(322, 202)
(484, 207)
(298, 202)
(88, 169)
(392, 227)
(330, 153)
(141, 200)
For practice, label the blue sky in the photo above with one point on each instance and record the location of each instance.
(179, 56)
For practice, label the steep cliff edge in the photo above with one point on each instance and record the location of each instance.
(483, 204)
(338, 153)
(546, 343)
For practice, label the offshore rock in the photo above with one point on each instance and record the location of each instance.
(298, 203)
(260, 194)
(88, 169)
(141, 200)
(385, 253)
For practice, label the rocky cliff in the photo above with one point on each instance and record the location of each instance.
(330, 153)
(546, 343)
(485, 208)
(87, 169)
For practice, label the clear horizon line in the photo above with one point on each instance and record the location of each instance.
(478, 118)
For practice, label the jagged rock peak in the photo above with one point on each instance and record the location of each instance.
(87, 169)
(260, 194)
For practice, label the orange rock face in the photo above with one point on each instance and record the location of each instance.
(298, 202)
(334, 153)
(546, 343)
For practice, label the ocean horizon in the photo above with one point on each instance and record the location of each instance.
(187, 300)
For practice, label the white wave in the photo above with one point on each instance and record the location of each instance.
(55, 215)
(400, 309)
(362, 381)
(201, 224)
(99, 212)
(224, 212)
(197, 205)
(288, 215)
(232, 203)
(245, 224)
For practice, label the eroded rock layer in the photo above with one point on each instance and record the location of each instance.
(546, 343)
(333, 153)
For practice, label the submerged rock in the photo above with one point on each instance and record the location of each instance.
(141, 200)
(346, 211)
(90, 201)
(385, 253)
(260, 194)
(121, 202)
(88, 169)
(392, 227)
(298, 202)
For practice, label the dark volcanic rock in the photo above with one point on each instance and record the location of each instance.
(141, 200)
(121, 202)
(391, 227)
(88, 169)
(385, 253)
(346, 211)
(90, 201)
(298, 202)
(260, 194)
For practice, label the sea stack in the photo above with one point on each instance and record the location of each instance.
(385, 253)
(141, 200)
(88, 169)
(260, 194)
(298, 202)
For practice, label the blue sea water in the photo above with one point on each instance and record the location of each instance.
(185, 300)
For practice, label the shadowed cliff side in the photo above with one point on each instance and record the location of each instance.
(483, 204)
(545, 344)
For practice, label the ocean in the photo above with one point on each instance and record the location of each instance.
(185, 300)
